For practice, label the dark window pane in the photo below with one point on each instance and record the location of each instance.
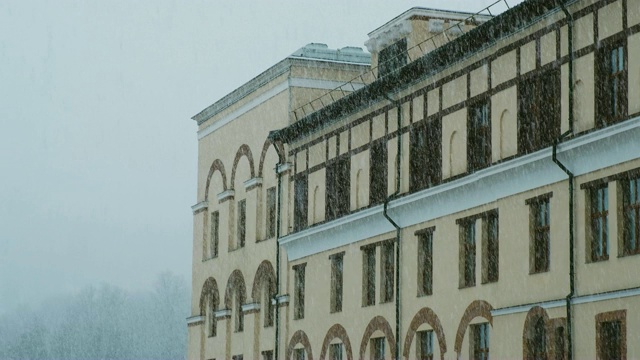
(300, 206)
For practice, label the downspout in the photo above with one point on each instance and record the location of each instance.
(278, 220)
(569, 132)
(395, 225)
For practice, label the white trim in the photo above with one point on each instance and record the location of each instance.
(587, 153)
(261, 99)
(258, 100)
(222, 313)
(585, 299)
(250, 307)
(324, 84)
(200, 206)
(332, 61)
(226, 194)
(282, 299)
(195, 319)
(253, 182)
(281, 168)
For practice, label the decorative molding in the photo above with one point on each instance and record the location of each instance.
(283, 168)
(222, 314)
(584, 299)
(226, 195)
(282, 300)
(252, 183)
(200, 207)
(195, 320)
(584, 154)
(277, 89)
(251, 308)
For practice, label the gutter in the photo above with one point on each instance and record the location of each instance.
(572, 274)
(395, 225)
(278, 221)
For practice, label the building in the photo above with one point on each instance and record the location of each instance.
(473, 192)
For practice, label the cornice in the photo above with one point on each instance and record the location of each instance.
(584, 154)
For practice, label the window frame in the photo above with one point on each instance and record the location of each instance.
(271, 208)
(538, 118)
(479, 129)
(214, 234)
(378, 345)
(467, 258)
(300, 202)
(539, 233)
(337, 282)
(387, 271)
(425, 154)
(420, 345)
(610, 82)
(603, 238)
(369, 276)
(425, 261)
(626, 220)
(378, 177)
(299, 290)
(480, 345)
(617, 316)
(241, 224)
(338, 187)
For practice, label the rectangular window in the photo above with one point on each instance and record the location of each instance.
(335, 352)
(425, 345)
(467, 253)
(540, 234)
(425, 155)
(267, 355)
(242, 222)
(214, 235)
(480, 341)
(560, 347)
(237, 357)
(299, 354)
(239, 314)
(298, 311)
(491, 248)
(270, 223)
(611, 96)
(611, 335)
(387, 271)
(211, 317)
(392, 58)
(538, 111)
(631, 216)
(301, 203)
(336, 282)
(378, 348)
(599, 223)
(425, 262)
(338, 182)
(369, 276)
(378, 173)
(479, 135)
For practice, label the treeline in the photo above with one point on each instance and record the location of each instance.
(103, 322)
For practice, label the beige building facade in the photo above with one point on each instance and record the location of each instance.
(473, 192)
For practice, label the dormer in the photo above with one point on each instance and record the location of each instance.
(415, 33)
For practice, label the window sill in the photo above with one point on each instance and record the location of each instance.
(236, 249)
(424, 294)
(466, 286)
(594, 261)
(211, 258)
(537, 272)
(628, 255)
(488, 282)
(263, 240)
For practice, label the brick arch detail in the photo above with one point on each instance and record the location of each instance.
(264, 273)
(235, 283)
(265, 149)
(217, 165)
(299, 337)
(475, 309)
(244, 150)
(210, 287)
(533, 315)
(337, 331)
(428, 316)
(377, 323)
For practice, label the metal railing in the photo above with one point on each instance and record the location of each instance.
(411, 54)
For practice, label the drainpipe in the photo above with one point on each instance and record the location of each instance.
(278, 220)
(572, 274)
(395, 225)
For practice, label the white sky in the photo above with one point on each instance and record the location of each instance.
(97, 150)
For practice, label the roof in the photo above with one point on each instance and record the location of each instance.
(312, 52)
(433, 62)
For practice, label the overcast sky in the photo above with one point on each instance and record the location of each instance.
(97, 149)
